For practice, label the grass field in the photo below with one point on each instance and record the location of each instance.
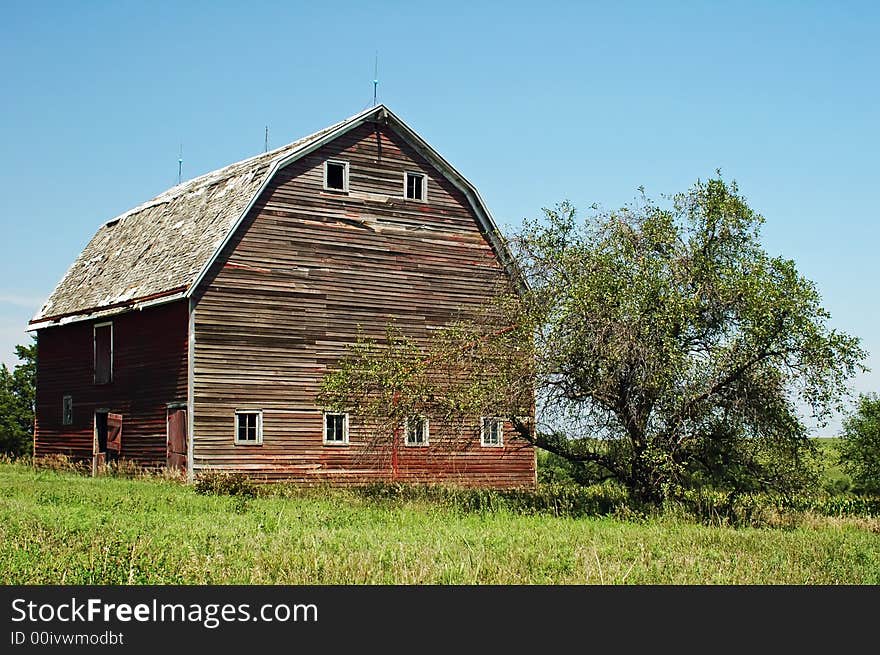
(58, 527)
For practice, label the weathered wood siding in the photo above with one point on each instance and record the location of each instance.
(149, 371)
(309, 269)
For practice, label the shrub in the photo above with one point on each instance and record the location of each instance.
(860, 445)
(553, 469)
(223, 483)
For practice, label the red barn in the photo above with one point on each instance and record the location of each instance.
(194, 330)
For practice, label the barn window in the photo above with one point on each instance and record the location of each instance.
(103, 341)
(336, 175)
(415, 186)
(249, 427)
(490, 432)
(416, 431)
(335, 428)
(67, 410)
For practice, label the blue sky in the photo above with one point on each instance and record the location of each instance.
(533, 102)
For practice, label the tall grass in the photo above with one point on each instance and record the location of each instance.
(62, 527)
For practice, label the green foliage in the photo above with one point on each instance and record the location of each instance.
(661, 346)
(837, 505)
(222, 483)
(835, 480)
(670, 332)
(386, 382)
(860, 445)
(553, 469)
(17, 397)
(754, 465)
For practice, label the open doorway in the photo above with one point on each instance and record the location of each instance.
(107, 444)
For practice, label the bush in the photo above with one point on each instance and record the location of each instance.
(860, 445)
(837, 486)
(223, 483)
(553, 469)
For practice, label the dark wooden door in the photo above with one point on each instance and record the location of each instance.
(177, 441)
(114, 436)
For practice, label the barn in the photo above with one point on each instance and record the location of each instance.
(194, 330)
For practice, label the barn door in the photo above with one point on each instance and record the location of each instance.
(114, 436)
(177, 443)
(107, 443)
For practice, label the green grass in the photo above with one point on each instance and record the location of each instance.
(60, 527)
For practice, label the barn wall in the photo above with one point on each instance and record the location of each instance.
(149, 371)
(310, 269)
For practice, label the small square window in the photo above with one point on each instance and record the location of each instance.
(416, 431)
(490, 432)
(67, 410)
(335, 428)
(415, 186)
(336, 175)
(249, 427)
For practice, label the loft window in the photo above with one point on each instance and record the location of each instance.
(67, 410)
(249, 427)
(336, 175)
(490, 432)
(416, 431)
(415, 186)
(103, 342)
(335, 428)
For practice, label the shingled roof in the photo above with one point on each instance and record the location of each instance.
(158, 251)
(158, 248)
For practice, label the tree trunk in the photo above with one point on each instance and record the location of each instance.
(645, 482)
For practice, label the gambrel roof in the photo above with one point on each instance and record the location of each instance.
(160, 250)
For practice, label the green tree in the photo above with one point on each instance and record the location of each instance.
(661, 346)
(17, 396)
(860, 444)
